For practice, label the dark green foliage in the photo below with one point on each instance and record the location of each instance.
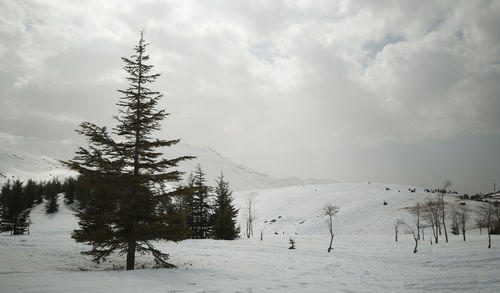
(51, 192)
(69, 188)
(123, 206)
(15, 207)
(225, 212)
(202, 214)
(187, 203)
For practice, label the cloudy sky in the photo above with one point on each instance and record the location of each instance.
(393, 91)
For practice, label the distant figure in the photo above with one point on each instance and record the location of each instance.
(385, 203)
(387, 188)
(276, 233)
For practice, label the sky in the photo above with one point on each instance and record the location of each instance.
(388, 91)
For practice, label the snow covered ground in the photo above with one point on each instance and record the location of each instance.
(365, 257)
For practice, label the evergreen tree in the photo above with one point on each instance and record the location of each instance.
(51, 192)
(15, 208)
(31, 191)
(202, 208)
(225, 212)
(69, 188)
(187, 203)
(122, 210)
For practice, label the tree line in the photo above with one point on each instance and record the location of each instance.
(436, 213)
(17, 199)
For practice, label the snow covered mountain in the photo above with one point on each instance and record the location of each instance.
(25, 158)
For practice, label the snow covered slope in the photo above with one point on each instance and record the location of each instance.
(34, 158)
(25, 158)
(298, 209)
(239, 176)
(48, 260)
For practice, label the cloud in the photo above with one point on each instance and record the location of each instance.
(252, 77)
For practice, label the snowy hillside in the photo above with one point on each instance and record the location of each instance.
(48, 260)
(298, 209)
(35, 158)
(25, 158)
(239, 176)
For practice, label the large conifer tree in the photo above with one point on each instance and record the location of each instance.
(225, 212)
(122, 210)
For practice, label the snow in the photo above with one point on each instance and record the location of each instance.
(365, 257)
(25, 158)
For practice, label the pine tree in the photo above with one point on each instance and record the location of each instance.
(15, 208)
(225, 212)
(187, 204)
(69, 188)
(51, 192)
(202, 209)
(123, 176)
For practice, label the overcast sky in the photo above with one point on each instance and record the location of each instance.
(390, 91)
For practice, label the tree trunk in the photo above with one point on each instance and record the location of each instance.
(416, 245)
(331, 243)
(445, 232)
(489, 238)
(131, 255)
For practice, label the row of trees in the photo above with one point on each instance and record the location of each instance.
(210, 211)
(434, 214)
(18, 198)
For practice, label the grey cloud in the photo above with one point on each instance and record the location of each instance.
(280, 86)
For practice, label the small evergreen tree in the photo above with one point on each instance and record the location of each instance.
(15, 208)
(51, 191)
(225, 212)
(187, 193)
(69, 188)
(123, 199)
(202, 208)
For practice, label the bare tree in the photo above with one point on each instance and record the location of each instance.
(262, 231)
(330, 211)
(442, 210)
(486, 212)
(433, 217)
(417, 210)
(463, 217)
(250, 217)
(454, 215)
(413, 231)
(397, 224)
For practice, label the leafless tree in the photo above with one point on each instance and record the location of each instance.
(412, 229)
(262, 231)
(433, 217)
(463, 217)
(486, 212)
(417, 210)
(397, 224)
(454, 215)
(250, 217)
(442, 209)
(330, 211)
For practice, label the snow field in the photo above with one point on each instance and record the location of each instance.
(365, 257)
